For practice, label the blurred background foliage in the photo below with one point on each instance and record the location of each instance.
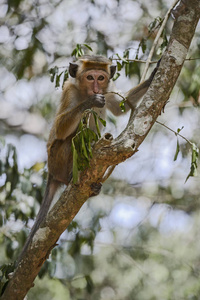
(138, 239)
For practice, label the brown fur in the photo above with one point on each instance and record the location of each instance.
(79, 93)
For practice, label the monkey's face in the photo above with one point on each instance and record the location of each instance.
(94, 82)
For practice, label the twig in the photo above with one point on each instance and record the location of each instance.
(116, 93)
(192, 58)
(176, 133)
(133, 60)
(157, 38)
(136, 60)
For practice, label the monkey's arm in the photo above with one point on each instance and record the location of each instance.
(133, 96)
(67, 122)
(69, 114)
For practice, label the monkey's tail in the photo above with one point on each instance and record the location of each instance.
(51, 188)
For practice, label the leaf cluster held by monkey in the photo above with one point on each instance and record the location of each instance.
(90, 87)
(83, 141)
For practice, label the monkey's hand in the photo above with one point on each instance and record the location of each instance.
(97, 100)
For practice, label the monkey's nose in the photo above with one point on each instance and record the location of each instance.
(96, 91)
(95, 88)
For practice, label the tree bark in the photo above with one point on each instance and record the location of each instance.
(109, 151)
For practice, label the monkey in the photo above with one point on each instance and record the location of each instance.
(89, 86)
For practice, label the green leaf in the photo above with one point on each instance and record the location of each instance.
(97, 124)
(83, 146)
(126, 54)
(74, 52)
(194, 162)
(66, 76)
(103, 122)
(163, 44)
(9, 250)
(116, 76)
(75, 164)
(177, 151)
(122, 58)
(154, 24)
(53, 72)
(77, 52)
(122, 106)
(58, 80)
(90, 284)
(119, 66)
(195, 154)
(90, 147)
(143, 45)
(87, 46)
(177, 145)
(179, 129)
(127, 69)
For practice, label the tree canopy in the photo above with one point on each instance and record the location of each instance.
(138, 239)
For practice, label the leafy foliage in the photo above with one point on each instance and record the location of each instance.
(103, 254)
(122, 62)
(83, 140)
(154, 25)
(55, 74)
(79, 50)
(194, 156)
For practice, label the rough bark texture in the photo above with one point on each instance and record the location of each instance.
(109, 152)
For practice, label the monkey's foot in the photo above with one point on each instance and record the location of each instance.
(96, 188)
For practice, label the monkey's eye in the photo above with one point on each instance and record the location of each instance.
(90, 77)
(101, 78)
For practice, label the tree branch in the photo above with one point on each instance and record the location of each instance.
(108, 152)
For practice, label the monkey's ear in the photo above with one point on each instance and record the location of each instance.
(73, 69)
(112, 71)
